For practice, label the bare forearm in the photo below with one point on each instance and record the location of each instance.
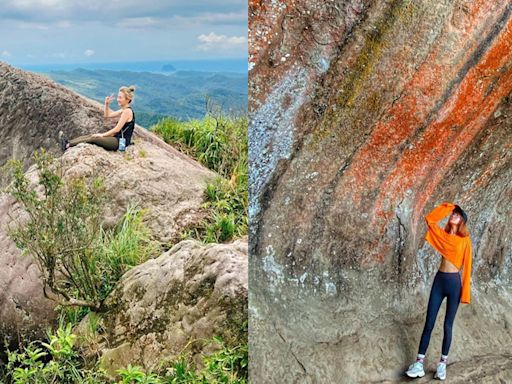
(107, 110)
(111, 132)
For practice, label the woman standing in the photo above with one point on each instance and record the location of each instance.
(454, 244)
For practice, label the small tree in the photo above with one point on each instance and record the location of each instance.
(61, 231)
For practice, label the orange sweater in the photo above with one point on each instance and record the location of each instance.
(454, 248)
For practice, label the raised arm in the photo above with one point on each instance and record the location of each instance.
(439, 212)
(436, 235)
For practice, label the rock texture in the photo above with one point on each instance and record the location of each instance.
(191, 292)
(364, 116)
(166, 182)
(23, 308)
(170, 189)
(487, 369)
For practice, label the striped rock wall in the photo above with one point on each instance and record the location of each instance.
(364, 116)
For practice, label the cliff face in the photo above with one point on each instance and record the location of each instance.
(364, 116)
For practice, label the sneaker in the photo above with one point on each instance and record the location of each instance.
(440, 371)
(62, 141)
(415, 370)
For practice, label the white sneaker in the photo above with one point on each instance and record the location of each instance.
(415, 370)
(440, 371)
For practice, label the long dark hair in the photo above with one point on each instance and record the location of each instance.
(462, 229)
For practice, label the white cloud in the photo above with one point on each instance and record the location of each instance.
(176, 21)
(137, 22)
(89, 52)
(213, 18)
(63, 24)
(27, 4)
(214, 41)
(32, 25)
(5, 54)
(179, 11)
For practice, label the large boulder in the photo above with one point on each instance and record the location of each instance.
(167, 183)
(33, 109)
(188, 294)
(169, 189)
(363, 117)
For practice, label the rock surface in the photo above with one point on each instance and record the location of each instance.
(166, 182)
(191, 292)
(170, 189)
(363, 117)
(486, 369)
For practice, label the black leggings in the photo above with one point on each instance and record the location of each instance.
(109, 142)
(445, 284)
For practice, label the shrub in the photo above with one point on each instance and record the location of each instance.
(80, 262)
(61, 230)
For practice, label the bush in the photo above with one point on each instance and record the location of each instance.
(227, 365)
(61, 230)
(79, 261)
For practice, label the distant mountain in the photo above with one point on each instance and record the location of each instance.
(168, 68)
(181, 94)
(238, 65)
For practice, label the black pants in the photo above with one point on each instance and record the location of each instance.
(445, 284)
(109, 143)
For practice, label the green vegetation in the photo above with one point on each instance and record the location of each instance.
(58, 361)
(226, 365)
(54, 362)
(80, 262)
(220, 143)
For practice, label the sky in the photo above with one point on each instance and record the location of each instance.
(35, 32)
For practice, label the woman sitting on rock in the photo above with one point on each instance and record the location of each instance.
(124, 127)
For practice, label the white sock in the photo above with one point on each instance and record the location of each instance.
(444, 358)
(420, 357)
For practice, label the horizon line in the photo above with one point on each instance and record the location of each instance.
(132, 61)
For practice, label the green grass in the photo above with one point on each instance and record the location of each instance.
(220, 143)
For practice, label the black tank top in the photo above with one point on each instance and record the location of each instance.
(127, 130)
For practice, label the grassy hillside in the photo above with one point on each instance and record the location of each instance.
(220, 143)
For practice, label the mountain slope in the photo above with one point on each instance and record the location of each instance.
(167, 183)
